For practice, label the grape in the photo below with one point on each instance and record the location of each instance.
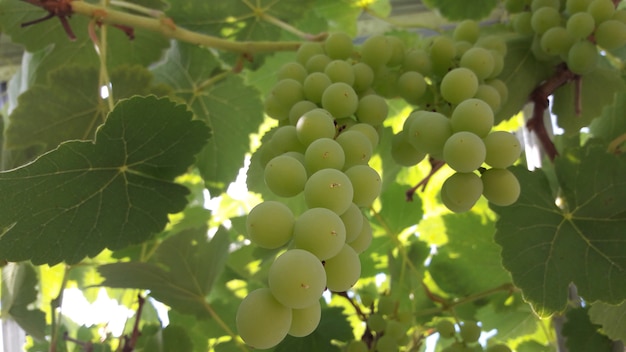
(292, 70)
(357, 346)
(315, 124)
(544, 19)
(459, 84)
(319, 231)
(395, 329)
(297, 278)
(601, 10)
(442, 53)
(429, 131)
(456, 347)
(372, 109)
(304, 321)
(479, 60)
(397, 51)
(369, 131)
(461, 191)
(314, 86)
(364, 239)
(501, 87)
(270, 224)
(521, 23)
(307, 50)
(363, 77)
(470, 331)
(376, 51)
(500, 186)
(417, 60)
(498, 65)
(492, 42)
(462, 48)
(386, 305)
(275, 108)
(556, 41)
(467, 30)
(574, 6)
(329, 188)
(411, 86)
(386, 343)
(464, 151)
(356, 146)
(324, 153)
(619, 15)
(514, 6)
(285, 176)
(288, 92)
(580, 25)
(403, 152)
(340, 71)
(342, 270)
(338, 46)
(611, 34)
(285, 139)
(582, 57)
(353, 222)
(385, 82)
(261, 321)
(340, 99)
(445, 328)
(473, 115)
(537, 4)
(317, 63)
(489, 95)
(366, 183)
(498, 348)
(503, 149)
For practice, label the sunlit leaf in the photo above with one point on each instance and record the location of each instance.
(19, 293)
(582, 335)
(612, 318)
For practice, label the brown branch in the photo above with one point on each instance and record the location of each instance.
(129, 343)
(435, 165)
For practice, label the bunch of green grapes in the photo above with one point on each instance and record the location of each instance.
(571, 31)
(465, 335)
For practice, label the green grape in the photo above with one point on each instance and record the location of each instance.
(363, 77)
(340, 71)
(370, 132)
(308, 50)
(314, 86)
(403, 152)
(270, 224)
(417, 60)
(288, 92)
(498, 65)
(396, 330)
(298, 109)
(514, 6)
(275, 108)
(470, 331)
(498, 348)
(429, 131)
(353, 222)
(574, 6)
(376, 51)
(601, 10)
(459, 84)
(376, 322)
(364, 239)
(366, 183)
(385, 82)
(467, 30)
(445, 328)
(442, 53)
(356, 146)
(611, 34)
(357, 346)
(324, 153)
(489, 95)
(501, 87)
(319, 231)
(521, 23)
(262, 322)
(461, 191)
(315, 124)
(619, 15)
(540, 54)
(464, 151)
(398, 51)
(338, 46)
(500, 186)
(297, 278)
(479, 60)
(317, 63)
(342, 270)
(582, 57)
(344, 124)
(329, 188)
(340, 99)
(386, 343)
(296, 155)
(292, 70)
(386, 305)
(493, 42)
(503, 149)
(537, 4)
(285, 139)
(372, 109)
(456, 347)
(472, 115)
(580, 25)
(412, 86)
(304, 321)
(544, 19)
(556, 41)
(285, 176)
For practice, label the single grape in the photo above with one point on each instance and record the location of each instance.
(556, 41)
(461, 191)
(366, 183)
(493, 42)
(472, 115)
(403, 152)
(340, 71)
(442, 53)
(501, 87)
(574, 6)
(342, 270)
(611, 34)
(515, 6)
(315, 124)
(376, 51)
(329, 188)
(353, 222)
(288, 92)
(464, 151)
(580, 25)
(398, 51)
(470, 331)
(319, 231)
(340, 99)
(285, 176)
(297, 278)
(462, 48)
(386, 343)
(317, 63)
(445, 328)
(417, 60)
(270, 224)
(479, 60)
(619, 15)
(292, 70)
(522, 23)
(324, 153)
(396, 330)
(582, 57)
(298, 109)
(372, 109)
(285, 139)
(304, 321)
(601, 10)
(314, 86)
(412, 86)
(498, 65)
(459, 84)
(544, 19)
(363, 77)
(429, 131)
(503, 149)
(363, 241)
(537, 4)
(386, 305)
(357, 346)
(385, 82)
(489, 95)
(338, 46)
(500, 186)
(467, 30)
(376, 322)
(275, 108)
(370, 132)
(307, 50)
(262, 322)
(356, 146)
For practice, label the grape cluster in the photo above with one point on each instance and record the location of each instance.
(466, 339)
(570, 31)
(457, 128)
(389, 325)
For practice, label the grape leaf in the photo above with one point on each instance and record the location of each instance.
(341, 15)
(397, 213)
(611, 124)
(232, 110)
(461, 10)
(582, 335)
(85, 196)
(19, 292)
(611, 317)
(546, 248)
(181, 274)
(333, 326)
(510, 315)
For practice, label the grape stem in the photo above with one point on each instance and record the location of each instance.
(129, 343)
(435, 165)
(367, 337)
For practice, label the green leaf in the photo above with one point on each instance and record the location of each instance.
(333, 326)
(510, 315)
(581, 335)
(546, 248)
(232, 110)
(19, 293)
(612, 318)
(181, 274)
(85, 196)
(397, 212)
(460, 10)
(611, 124)
(598, 90)
(341, 15)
